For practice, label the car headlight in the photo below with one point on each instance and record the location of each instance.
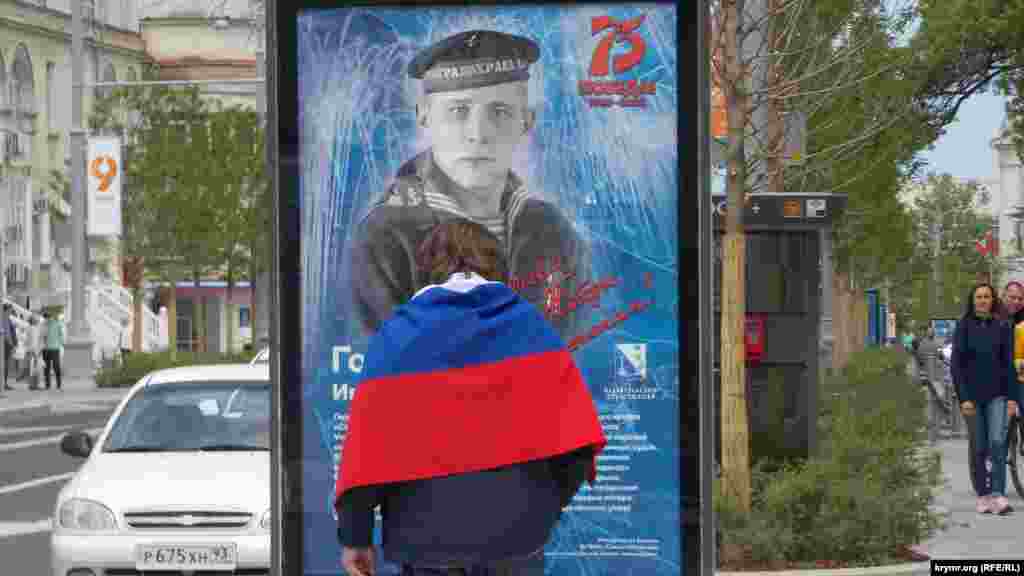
(265, 520)
(78, 514)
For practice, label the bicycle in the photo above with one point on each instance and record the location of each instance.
(1014, 453)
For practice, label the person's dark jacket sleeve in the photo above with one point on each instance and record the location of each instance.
(957, 368)
(356, 517)
(570, 470)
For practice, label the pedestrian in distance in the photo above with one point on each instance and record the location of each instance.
(126, 339)
(1013, 302)
(10, 343)
(985, 378)
(472, 427)
(53, 346)
(33, 352)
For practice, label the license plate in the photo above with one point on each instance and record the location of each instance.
(171, 557)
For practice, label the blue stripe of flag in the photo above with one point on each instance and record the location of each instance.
(446, 330)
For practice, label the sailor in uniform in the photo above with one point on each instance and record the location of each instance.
(476, 111)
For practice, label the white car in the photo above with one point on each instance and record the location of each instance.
(262, 357)
(178, 481)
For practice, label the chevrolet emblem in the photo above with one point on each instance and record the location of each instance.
(189, 520)
(471, 41)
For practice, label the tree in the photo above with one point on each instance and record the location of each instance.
(948, 228)
(838, 63)
(964, 48)
(240, 175)
(193, 168)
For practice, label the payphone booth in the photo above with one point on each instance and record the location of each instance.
(785, 287)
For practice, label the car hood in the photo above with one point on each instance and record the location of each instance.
(175, 480)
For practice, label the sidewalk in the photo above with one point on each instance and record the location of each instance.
(969, 534)
(73, 392)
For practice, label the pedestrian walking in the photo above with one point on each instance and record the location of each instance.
(1013, 302)
(10, 343)
(503, 428)
(53, 347)
(984, 375)
(33, 353)
(126, 339)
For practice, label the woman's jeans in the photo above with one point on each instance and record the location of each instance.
(990, 428)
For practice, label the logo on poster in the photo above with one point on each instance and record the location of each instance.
(104, 169)
(631, 93)
(631, 362)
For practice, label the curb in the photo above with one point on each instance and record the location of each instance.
(913, 569)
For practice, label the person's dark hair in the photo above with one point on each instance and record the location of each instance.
(460, 245)
(996, 303)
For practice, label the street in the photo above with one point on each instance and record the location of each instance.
(33, 469)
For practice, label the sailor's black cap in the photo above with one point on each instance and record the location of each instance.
(473, 59)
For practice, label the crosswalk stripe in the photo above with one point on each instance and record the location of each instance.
(39, 441)
(32, 429)
(34, 483)
(11, 529)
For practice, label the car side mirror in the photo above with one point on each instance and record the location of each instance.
(77, 444)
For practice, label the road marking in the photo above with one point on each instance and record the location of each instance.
(33, 483)
(77, 407)
(39, 441)
(11, 529)
(32, 429)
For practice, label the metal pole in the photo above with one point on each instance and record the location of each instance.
(262, 281)
(79, 336)
(3, 282)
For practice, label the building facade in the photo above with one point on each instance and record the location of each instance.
(1006, 185)
(35, 125)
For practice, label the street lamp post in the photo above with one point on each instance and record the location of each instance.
(78, 348)
(262, 280)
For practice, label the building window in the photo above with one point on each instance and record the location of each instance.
(243, 317)
(24, 83)
(51, 94)
(3, 82)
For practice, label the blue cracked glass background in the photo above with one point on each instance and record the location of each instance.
(613, 171)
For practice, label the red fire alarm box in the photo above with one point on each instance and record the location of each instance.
(754, 338)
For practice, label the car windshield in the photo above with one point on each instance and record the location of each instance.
(194, 416)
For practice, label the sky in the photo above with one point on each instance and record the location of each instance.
(964, 150)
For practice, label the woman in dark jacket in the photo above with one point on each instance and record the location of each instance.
(983, 373)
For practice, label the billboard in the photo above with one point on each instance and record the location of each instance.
(103, 171)
(585, 160)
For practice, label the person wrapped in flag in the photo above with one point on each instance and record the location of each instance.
(472, 427)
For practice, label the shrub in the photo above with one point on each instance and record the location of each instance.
(126, 374)
(864, 499)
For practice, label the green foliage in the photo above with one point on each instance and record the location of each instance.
(868, 495)
(966, 47)
(126, 374)
(195, 180)
(947, 226)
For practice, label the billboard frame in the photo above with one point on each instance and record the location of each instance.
(696, 427)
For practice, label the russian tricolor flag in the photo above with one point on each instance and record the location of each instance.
(465, 377)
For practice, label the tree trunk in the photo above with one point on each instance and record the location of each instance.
(229, 311)
(198, 317)
(253, 322)
(137, 318)
(849, 320)
(735, 426)
(172, 320)
(735, 432)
